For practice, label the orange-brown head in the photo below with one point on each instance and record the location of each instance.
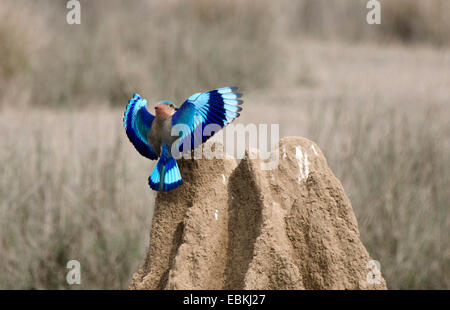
(165, 109)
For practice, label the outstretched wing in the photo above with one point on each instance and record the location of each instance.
(217, 108)
(138, 122)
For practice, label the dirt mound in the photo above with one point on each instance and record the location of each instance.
(236, 226)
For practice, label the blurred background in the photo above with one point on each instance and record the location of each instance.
(376, 99)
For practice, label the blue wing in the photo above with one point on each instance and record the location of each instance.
(138, 122)
(218, 107)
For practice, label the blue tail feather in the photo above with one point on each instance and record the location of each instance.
(166, 175)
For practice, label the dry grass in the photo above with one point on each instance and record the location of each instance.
(181, 46)
(148, 46)
(72, 187)
(405, 21)
(395, 173)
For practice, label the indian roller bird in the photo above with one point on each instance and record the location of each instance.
(152, 135)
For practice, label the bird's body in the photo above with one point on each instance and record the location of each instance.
(159, 133)
(152, 135)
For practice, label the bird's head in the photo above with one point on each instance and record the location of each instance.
(165, 109)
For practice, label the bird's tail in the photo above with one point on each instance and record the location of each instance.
(166, 175)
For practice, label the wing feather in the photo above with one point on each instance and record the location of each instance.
(138, 122)
(219, 106)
